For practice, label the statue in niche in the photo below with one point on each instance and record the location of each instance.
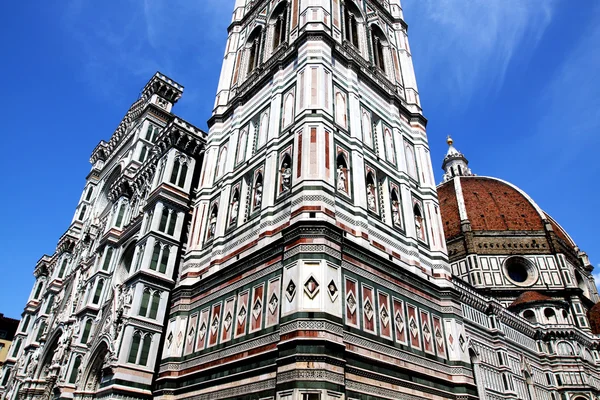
(235, 206)
(33, 362)
(63, 345)
(371, 202)
(419, 226)
(258, 194)
(212, 223)
(129, 296)
(342, 175)
(396, 213)
(286, 178)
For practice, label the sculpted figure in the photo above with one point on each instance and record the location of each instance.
(286, 178)
(341, 175)
(371, 197)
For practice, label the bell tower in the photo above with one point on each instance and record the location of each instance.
(316, 266)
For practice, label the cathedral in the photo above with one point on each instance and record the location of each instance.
(301, 248)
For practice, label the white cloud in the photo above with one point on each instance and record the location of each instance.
(471, 43)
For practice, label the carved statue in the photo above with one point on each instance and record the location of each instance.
(129, 296)
(235, 205)
(213, 224)
(33, 363)
(341, 175)
(63, 346)
(286, 178)
(258, 195)
(371, 197)
(396, 213)
(419, 227)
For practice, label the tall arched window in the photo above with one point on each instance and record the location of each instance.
(87, 328)
(262, 130)
(63, 268)
(179, 173)
(279, 22)
(160, 258)
(253, 46)
(242, 144)
(221, 162)
(352, 18)
(288, 110)
(98, 292)
(75, 369)
(367, 129)
(390, 151)
(82, 213)
(378, 43)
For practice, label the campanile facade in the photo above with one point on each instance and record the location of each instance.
(316, 265)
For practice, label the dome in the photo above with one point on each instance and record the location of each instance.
(492, 205)
(594, 318)
(530, 297)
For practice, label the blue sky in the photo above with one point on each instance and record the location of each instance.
(514, 82)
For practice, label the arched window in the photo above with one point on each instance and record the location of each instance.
(89, 193)
(258, 192)
(38, 290)
(419, 222)
(288, 110)
(87, 328)
(341, 116)
(279, 22)
(149, 304)
(143, 153)
(371, 192)
(390, 151)
(151, 133)
(179, 173)
(367, 129)
(63, 268)
(411, 166)
(139, 354)
(75, 369)
(352, 18)
(135, 346)
(263, 130)
(550, 316)
(98, 292)
(107, 258)
(221, 162)
(16, 347)
(154, 305)
(168, 220)
(160, 258)
(253, 46)
(82, 213)
(343, 173)
(378, 42)
(242, 144)
(529, 315)
(121, 213)
(565, 349)
(25, 323)
(49, 304)
(41, 331)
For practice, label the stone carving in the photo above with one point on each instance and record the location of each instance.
(396, 213)
(286, 178)
(33, 362)
(371, 202)
(342, 181)
(258, 195)
(235, 206)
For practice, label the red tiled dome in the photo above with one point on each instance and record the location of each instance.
(529, 297)
(594, 318)
(492, 205)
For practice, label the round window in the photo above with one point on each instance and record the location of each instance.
(520, 271)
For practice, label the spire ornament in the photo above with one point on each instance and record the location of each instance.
(455, 163)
